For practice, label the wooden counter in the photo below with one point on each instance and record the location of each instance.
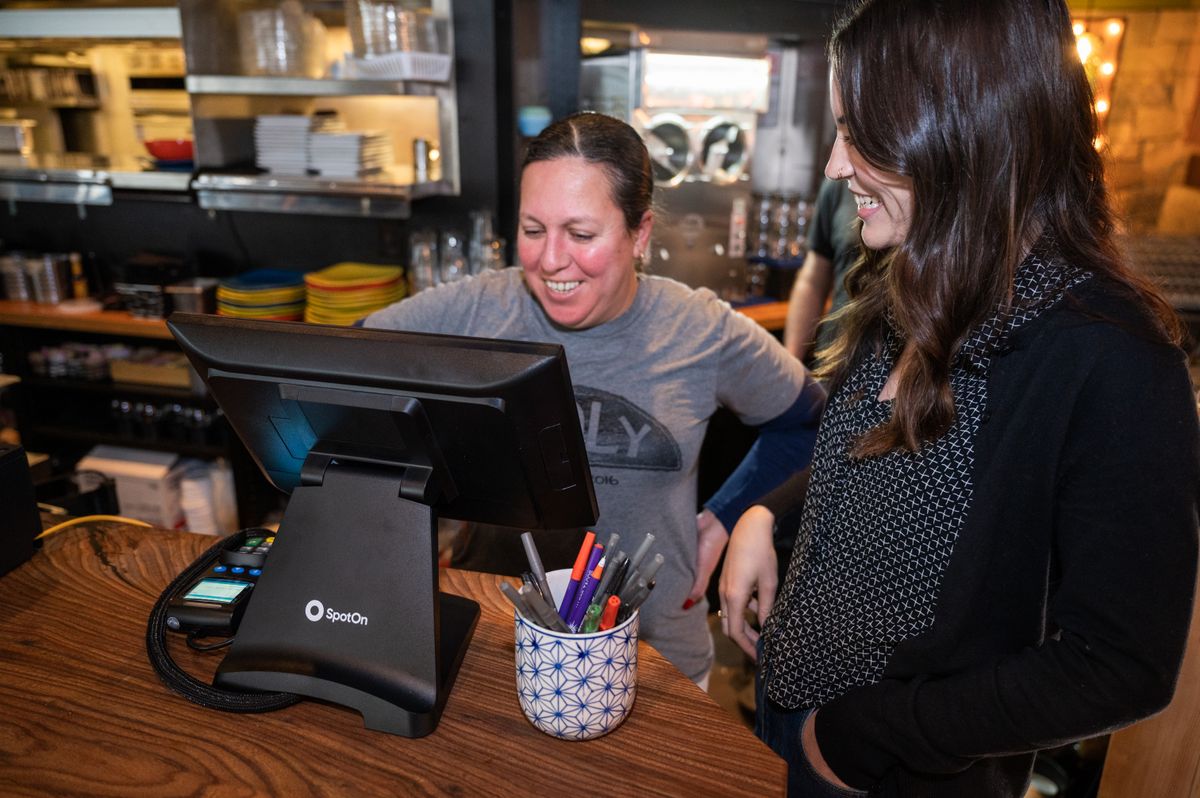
(770, 315)
(108, 322)
(82, 712)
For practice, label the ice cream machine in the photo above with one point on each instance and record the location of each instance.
(717, 126)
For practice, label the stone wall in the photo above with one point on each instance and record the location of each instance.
(1155, 92)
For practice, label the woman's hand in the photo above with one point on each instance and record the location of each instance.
(711, 539)
(750, 566)
(812, 752)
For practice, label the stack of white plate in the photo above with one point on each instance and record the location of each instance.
(281, 141)
(349, 154)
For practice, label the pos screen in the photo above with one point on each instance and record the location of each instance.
(217, 591)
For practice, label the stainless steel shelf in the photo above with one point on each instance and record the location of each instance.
(382, 197)
(91, 23)
(271, 183)
(77, 179)
(307, 87)
(151, 180)
(68, 188)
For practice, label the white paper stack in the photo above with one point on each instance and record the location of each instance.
(281, 141)
(349, 154)
(207, 499)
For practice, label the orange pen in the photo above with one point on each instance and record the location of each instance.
(609, 616)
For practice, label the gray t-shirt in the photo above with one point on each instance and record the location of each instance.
(646, 384)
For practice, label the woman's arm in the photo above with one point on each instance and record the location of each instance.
(784, 445)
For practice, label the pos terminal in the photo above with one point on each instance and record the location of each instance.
(376, 433)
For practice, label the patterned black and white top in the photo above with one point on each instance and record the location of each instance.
(876, 534)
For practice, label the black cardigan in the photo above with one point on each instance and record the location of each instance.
(1064, 611)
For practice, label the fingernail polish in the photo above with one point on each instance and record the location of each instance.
(687, 605)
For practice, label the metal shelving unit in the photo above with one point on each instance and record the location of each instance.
(68, 416)
(225, 104)
(308, 87)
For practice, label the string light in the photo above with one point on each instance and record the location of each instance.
(1098, 42)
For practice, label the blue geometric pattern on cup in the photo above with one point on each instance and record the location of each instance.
(576, 687)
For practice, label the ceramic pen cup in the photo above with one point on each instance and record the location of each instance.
(576, 686)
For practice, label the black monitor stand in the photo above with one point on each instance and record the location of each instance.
(347, 609)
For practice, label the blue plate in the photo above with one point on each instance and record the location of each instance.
(261, 279)
(185, 165)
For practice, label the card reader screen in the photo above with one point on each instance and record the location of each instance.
(220, 591)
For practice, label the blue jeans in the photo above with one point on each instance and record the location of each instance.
(780, 729)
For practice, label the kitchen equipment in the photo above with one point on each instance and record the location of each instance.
(480, 248)
(694, 99)
(422, 260)
(280, 38)
(50, 276)
(197, 295)
(379, 27)
(17, 285)
(452, 256)
(795, 130)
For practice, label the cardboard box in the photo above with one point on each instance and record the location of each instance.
(147, 482)
(167, 368)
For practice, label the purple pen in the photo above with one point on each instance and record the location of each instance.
(577, 572)
(587, 588)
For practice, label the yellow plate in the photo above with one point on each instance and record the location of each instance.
(350, 274)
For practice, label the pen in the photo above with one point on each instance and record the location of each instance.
(650, 570)
(639, 595)
(633, 586)
(635, 601)
(614, 575)
(591, 619)
(535, 564)
(527, 579)
(543, 613)
(641, 552)
(609, 617)
(517, 600)
(587, 588)
(568, 601)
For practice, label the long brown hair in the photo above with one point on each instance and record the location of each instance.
(985, 107)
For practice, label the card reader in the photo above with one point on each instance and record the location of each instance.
(213, 603)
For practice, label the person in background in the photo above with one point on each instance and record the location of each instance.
(998, 546)
(651, 360)
(833, 246)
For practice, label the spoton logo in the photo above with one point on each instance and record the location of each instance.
(315, 611)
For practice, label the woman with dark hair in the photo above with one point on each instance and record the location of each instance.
(997, 549)
(651, 360)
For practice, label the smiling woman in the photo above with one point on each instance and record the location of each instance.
(651, 360)
(884, 199)
(997, 545)
(577, 252)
